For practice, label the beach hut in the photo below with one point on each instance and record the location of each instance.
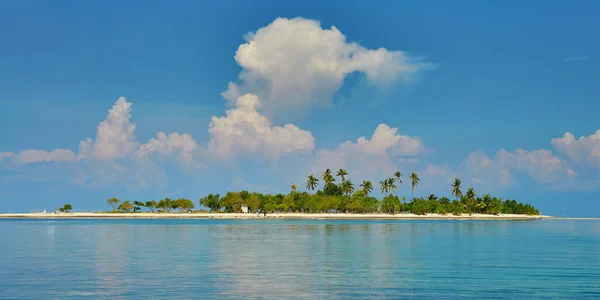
(245, 208)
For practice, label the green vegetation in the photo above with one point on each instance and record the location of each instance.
(342, 198)
(164, 205)
(113, 202)
(66, 208)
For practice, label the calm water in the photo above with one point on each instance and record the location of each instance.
(252, 259)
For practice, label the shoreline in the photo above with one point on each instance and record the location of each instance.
(250, 216)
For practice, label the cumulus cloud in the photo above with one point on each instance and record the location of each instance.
(479, 168)
(244, 130)
(114, 136)
(296, 62)
(541, 165)
(115, 154)
(166, 144)
(585, 149)
(115, 139)
(370, 157)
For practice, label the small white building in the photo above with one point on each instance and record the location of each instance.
(245, 208)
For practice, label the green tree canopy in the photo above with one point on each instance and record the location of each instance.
(113, 202)
(212, 201)
(151, 205)
(183, 204)
(126, 206)
(165, 204)
(66, 208)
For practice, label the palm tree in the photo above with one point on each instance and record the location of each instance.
(311, 182)
(366, 186)
(347, 187)
(471, 195)
(456, 188)
(294, 187)
(444, 200)
(391, 184)
(342, 173)
(415, 181)
(328, 178)
(384, 186)
(487, 198)
(398, 176)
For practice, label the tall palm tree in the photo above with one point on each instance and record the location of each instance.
(456, 188)
(311, 182)
(347, 187)
(327, 178)
(415, 181)
(384, 186)
(342, 173)
(294, 187)
(391, 186)
(398, 176)
(366, 186)
(471, 195)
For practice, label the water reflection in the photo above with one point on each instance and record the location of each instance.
(179, 259)
(50, 231)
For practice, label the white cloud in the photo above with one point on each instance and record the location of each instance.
(295, 62)
(57, 155)
(584, 149)
(115, 139)
(244, 130)
(433, 170)
(369, 158)
(385, 139)
(479, 167)
(541, 165)
(33, 156)
(166, 144)
(114, 136)
(115, 155)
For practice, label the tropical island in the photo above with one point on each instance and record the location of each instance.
(332, 200)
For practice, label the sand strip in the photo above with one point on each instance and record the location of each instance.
(145, 215)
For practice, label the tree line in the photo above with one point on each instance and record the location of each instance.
(342, 197)
(166, 205)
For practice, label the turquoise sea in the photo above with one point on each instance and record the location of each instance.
(308, 259)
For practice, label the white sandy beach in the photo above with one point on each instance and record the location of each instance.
(148, 215)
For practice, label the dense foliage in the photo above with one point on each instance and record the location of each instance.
(358, 202)
(343, 198)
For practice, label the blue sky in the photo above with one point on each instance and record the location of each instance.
(459, 81)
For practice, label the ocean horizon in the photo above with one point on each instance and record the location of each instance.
(314, 259)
